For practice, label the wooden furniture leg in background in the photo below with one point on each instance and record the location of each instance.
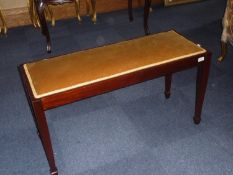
(93, 5)
(91, 9)
(77, 8)
(34, 16)
(168, 80)
(130, 6)
(146, 14)
(223, 51)
(40, 6)
(32, 13)
(49, 15)
(3, 29)
(201, 85)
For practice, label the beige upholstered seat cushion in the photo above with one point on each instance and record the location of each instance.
(50, 76)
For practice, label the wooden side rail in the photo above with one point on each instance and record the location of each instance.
(96, 71)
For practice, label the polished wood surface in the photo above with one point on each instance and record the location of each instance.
(40, 105)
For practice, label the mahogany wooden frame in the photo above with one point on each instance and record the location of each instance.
(40, 105)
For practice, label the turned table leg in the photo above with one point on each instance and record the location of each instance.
(40, 6)
(168, 79)
(43, 130)
(201, 84)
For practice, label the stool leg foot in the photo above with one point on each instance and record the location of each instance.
(168, 79)
(196, 120)
(167, 95)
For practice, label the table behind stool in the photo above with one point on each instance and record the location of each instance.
(40, 7)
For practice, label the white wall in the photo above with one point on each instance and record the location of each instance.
(9, 4)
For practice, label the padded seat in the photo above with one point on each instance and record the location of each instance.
(50, 76)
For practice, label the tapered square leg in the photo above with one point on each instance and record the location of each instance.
(43, 130)
(201, 84)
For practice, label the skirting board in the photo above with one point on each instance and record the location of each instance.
(175, 2)
(20, 16)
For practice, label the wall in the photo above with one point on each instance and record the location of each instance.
(9, 4)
